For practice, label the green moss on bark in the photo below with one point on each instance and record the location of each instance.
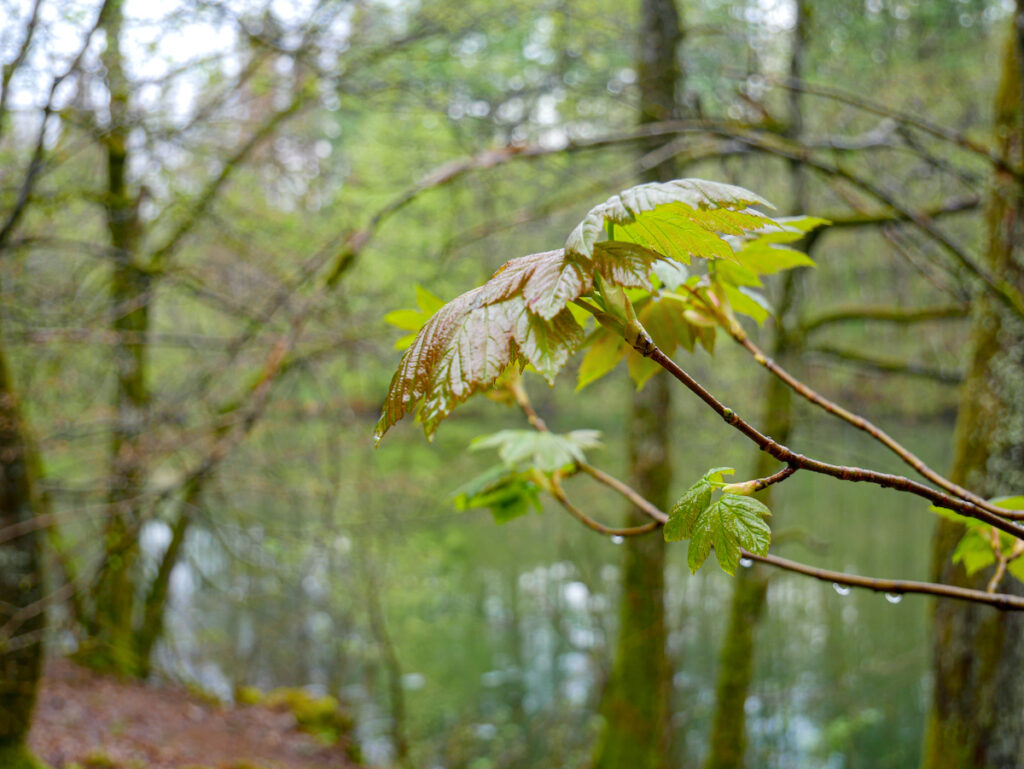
(977, 713)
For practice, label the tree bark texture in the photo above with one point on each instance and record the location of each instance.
(977, 712)
(635, 703)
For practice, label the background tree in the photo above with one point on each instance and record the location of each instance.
(974, 718)
(636, 703)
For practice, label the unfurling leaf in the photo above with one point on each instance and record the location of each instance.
(976, 548)
(694, 501)
(523, 314)
(413, 320)
(731, 523)
(974, 551)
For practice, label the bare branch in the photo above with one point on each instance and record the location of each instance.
(887, 365)
(884, 314)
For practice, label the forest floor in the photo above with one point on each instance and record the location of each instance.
(102, 722)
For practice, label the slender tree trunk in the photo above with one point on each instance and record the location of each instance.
(113, 598)
(977, 712)
(728, 741)
(21, 586)
(635, 703)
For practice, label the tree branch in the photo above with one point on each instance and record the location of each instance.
(1002, 601)
(853, 474)
(887, 365)
(883, 314)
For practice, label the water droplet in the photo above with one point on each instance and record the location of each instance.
(841, 589)
(746, 563)
(617, 540)
(894, 597)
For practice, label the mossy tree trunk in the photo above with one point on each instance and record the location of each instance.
(977, 712)
(22, 609)
(728, 740)
(635, 703)
(110, 625)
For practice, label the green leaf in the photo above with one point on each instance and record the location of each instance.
(1009, 503)
(974, 551)
(950, 515)
(407, 320)
(509, 495)
(731, 523)
(748, 302)
(765, 259)
(701, 206)
(640, 369)
(1016, 568)
(545, 451)
(427, 301)
(604, 352)
(663, 318)
(520, 315)
(736, 274)
(684, 513)
(802, 224)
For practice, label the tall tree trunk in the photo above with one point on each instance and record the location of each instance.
(111, 646)
(977, 712)
(736, 659)
(635, 704)
(22, 612)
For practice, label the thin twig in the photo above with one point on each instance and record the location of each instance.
(658, 518)
(868, 427)
(842, 472)
(1003, 601)
(559, 494)
(884, 314)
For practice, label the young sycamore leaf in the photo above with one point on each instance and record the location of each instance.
(521, 315)
(974, 551)
(545, 451)
(508, 494)
(604, 351)
(695, 500)
(731, 523)
(686, 229)
(413, 320)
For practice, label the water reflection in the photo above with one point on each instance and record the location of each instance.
(504, 634)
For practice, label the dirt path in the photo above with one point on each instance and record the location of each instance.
(101, 722)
